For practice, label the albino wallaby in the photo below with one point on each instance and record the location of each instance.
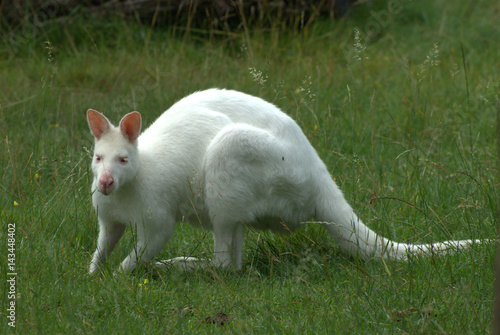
(224, 160)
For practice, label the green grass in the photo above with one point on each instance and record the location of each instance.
(404, 118)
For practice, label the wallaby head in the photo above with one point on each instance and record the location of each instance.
(116, 157)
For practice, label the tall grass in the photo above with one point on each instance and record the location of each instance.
(403, 115)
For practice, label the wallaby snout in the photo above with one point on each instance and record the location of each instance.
(106, 184)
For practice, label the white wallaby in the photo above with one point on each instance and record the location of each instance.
(225, 160)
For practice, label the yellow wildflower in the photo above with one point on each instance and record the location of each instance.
(145, 282)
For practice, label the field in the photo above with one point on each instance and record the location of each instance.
(400, 101)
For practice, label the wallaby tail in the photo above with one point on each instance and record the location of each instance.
(358, 240)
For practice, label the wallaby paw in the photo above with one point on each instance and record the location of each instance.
(93, 269)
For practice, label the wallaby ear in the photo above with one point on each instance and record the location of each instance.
(98, 123)
(130, 126)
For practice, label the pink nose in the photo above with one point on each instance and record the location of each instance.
(106, 183)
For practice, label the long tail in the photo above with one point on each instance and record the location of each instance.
(358, 240)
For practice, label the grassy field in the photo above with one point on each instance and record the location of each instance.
(398, 98)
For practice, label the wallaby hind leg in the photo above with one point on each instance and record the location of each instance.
(240, 165)
(228, 246)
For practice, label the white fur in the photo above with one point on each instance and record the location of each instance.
(225, 160)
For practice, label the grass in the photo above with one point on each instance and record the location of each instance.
(404, 118)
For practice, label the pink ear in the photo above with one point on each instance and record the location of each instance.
(98, 123)
(130, 126)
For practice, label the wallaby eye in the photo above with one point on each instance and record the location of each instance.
(97, 158)
(124, 160)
